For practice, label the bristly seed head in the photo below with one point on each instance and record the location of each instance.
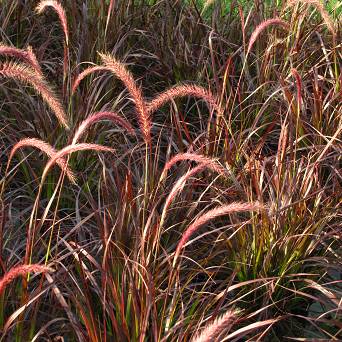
(60, 12)
(73, 148)
(122, 73)
(209, 162)
(182, 91)
(44, 147)
(261, 27)
(211, 331)
(100, 116)
(28, 75)
(26, 56)
(210, 215)
(21, 270)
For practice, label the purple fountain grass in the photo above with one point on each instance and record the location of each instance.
(73, 148)
(28, 75)
(212, 214)
(181, 91)
(179, 185)
(121, 72)
(21, 270)
(320, 8)
(44, 147)
(145, 111)
(211, 331)
(32, 57)
(60, 12)
(265, 24)
(205, 163)
(85, 73)
(63, 20)
(135, 276)
(99, 116)
(26, 56)
(209, 162)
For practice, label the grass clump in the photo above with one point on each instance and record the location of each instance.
(197, 193)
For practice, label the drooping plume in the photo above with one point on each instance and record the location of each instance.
(211, 331)
(182, 91)
(85, 73)
(120, 71)
(29, 76)
(70, 149)
(263, 26)
(198, 158)
(27, 56)
(60, 12)
(179, 185)
(212, 214)
(21, 270)
(100, 116)
(44, 147)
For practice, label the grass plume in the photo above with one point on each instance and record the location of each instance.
(21, 270)
(212, 330)
(71, 149)
(44, 147)
(179, 185)
(26, 56)
(85, 73)
(100, 116)
(210, 215)
(120, 71)
(29, 76)
(198, 158)
(60, 12)
(182, 91)
(263, 26)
